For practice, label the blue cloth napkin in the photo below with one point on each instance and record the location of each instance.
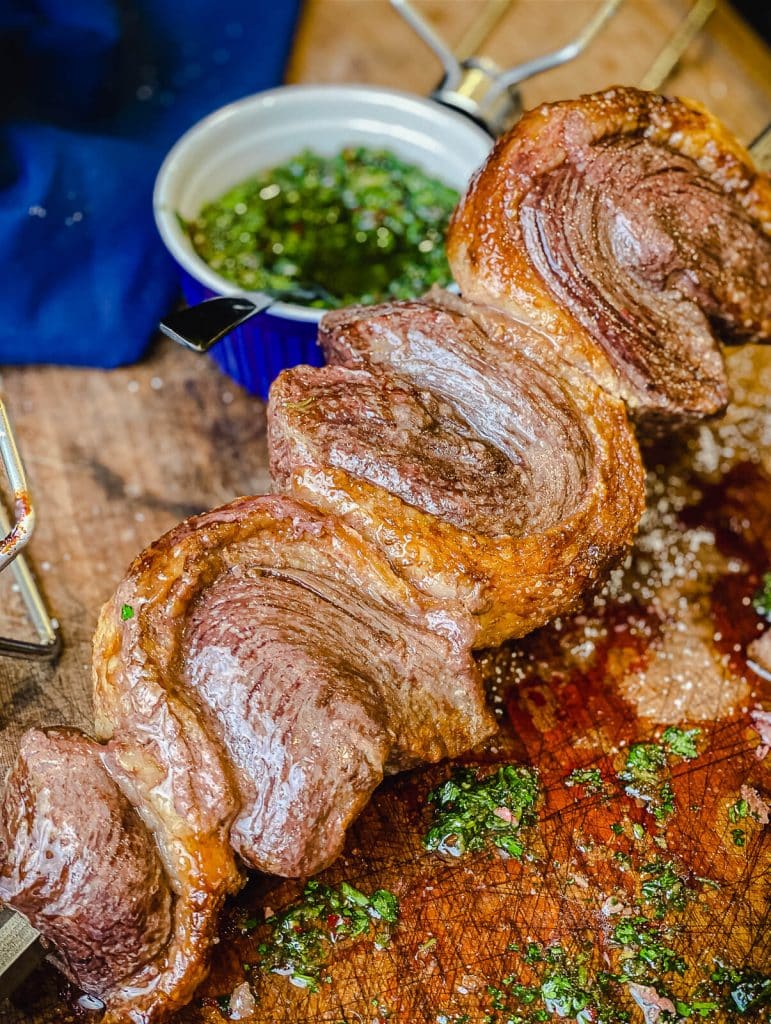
(98, 91)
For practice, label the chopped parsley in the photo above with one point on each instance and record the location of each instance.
(471, 812)
(126, 612)
(662, 887)
(761, 602)
(646, 772)
(738, 810)
(681, 742)
(589, 778)
(565, 988)
(644, 776)
(302, 935)
(646, 954)
(738, 836)
(742, 988)
(696, 1007)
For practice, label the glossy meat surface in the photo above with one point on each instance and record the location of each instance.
(280, 667)
(315, 692)
(76, 859)
(517, 529)
(633, 220)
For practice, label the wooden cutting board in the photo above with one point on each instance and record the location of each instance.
(116, 458)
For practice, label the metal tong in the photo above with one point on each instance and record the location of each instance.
(15, 536)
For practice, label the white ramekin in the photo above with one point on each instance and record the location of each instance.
(266, 129)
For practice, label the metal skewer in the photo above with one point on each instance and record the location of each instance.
(563, 55)
(476, 86)
(482, 26)
(14, 536)
(666, 62)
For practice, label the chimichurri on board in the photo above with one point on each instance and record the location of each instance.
(361, 226)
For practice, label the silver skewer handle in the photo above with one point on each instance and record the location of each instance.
(14, 535)
(674, 48)
(476, 86)
(24, 513)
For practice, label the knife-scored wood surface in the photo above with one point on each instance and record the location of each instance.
(114, 459)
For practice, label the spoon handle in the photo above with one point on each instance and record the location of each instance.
(202, 326)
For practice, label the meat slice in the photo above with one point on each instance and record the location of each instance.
(309, 663)
(636, 231)
(256, 673)
(76, 859)
(456, 440)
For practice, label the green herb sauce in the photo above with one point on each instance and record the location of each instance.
(472, 812)
(302, 936)
(362, 226)
(743, 989)
(646, 953)
(589, 778)
(645, 776)
(681, 742)
(662, 887)
(646, 772)
(762, 599)
(565, 988)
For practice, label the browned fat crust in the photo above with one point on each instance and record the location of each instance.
(456, 440)
(636, 231)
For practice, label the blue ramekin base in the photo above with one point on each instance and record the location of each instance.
(256, 352)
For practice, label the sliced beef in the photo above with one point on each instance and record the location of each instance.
(76, 859)
(487, 470)
(405, 439)
(316, 692)
(633, 220)
(309, 663)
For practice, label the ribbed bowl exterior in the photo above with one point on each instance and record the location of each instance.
(255, 353)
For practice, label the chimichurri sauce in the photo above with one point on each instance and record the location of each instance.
(361, 226)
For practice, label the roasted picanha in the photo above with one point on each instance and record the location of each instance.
(461, 472)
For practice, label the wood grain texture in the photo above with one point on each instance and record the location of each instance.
(114, 459)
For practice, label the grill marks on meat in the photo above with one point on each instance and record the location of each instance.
(637, 218)
(70, 839)
(487, 475)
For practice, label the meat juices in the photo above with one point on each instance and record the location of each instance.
(79, 863)
(633, 219)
